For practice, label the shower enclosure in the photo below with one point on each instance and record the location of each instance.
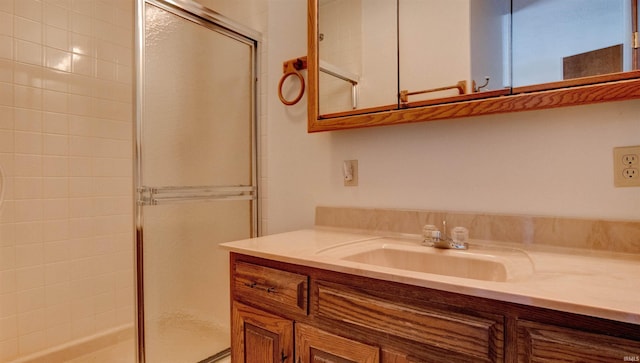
(196, 175)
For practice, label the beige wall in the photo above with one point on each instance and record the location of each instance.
(66, 147)
(552, 162)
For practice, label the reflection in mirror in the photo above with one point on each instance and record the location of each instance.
(357, 47)
(455, 52)
(556, 40)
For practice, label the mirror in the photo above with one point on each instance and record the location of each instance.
(555, 40)
(378, 62)
(461, 53)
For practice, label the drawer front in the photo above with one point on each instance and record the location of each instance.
(477, 337)
(548, 343)
(271, 288)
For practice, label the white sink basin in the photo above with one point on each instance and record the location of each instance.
(478, 262)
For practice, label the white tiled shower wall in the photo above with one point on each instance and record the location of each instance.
(66, 112)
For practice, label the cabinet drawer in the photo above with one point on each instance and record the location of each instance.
(281, 291)
(548, 343)
(479, 338)
(314, 345)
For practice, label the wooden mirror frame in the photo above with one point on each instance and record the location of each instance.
(581, 91)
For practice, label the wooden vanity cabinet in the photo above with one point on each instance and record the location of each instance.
(340, 318)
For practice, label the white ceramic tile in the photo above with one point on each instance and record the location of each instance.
(80, 167)
(7, 258)
(6, 24)
(8, 348)
(8, 327)
(106, 320)
(58, 334)
(57, 314)
(53, 209)
(27, 75)
(54, 144)
(81, 146)
(55, 273)
(81, 207)
(6, 117)
(8, 305)
(56, 38)
(26, 29)
(27, 165)
(32, 342)
(27, 97)
(55, 80)
(31, 9)
(79, 23)
(28, 210)
(29, 255)
(83, 7)
(55, 123)
(80, 187)
(27, 188)
(82, 308)
(55, 230)
(53, 101)
(81, 228)
(6, 141)
(106, 70)
(57, 59)
(6, 91)
(27, 52)
(7, 281)
(27, 119)
(28, 232)
(30, 278)
(56, 251)
(58, 294)
(56, 187)
(56, 16)
(82, 44)
(55, 166)
(28, 142)
(83, 65)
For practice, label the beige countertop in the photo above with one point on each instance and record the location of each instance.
(605, 285)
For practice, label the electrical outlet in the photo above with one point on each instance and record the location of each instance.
(626, 166)
(630, 173)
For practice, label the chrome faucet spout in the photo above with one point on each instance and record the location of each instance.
(437, 239)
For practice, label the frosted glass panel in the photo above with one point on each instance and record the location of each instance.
(187, 277)
(197, 130)
(197, 97)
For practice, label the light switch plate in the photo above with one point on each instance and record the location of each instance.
(353, 165)
(626, 166)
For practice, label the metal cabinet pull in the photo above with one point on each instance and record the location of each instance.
(255, 285)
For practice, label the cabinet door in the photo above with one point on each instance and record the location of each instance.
(547, 343)
(314, 345)
(257, 336)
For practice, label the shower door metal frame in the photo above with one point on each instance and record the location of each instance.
(196, 13)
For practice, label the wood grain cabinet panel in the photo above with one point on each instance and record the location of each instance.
(281, 290)
(314, 345)
(258, 336)
(479, 338)
(548, 343)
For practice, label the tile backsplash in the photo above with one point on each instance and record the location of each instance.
(592, 234)
(66, 113)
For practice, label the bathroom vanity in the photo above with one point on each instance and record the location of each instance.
(327, 295)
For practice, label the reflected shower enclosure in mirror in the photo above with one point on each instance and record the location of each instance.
(555, 40)
(380, 62)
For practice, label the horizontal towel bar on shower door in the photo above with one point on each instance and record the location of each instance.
(173, 194)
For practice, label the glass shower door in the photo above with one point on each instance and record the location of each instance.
(196, 181)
